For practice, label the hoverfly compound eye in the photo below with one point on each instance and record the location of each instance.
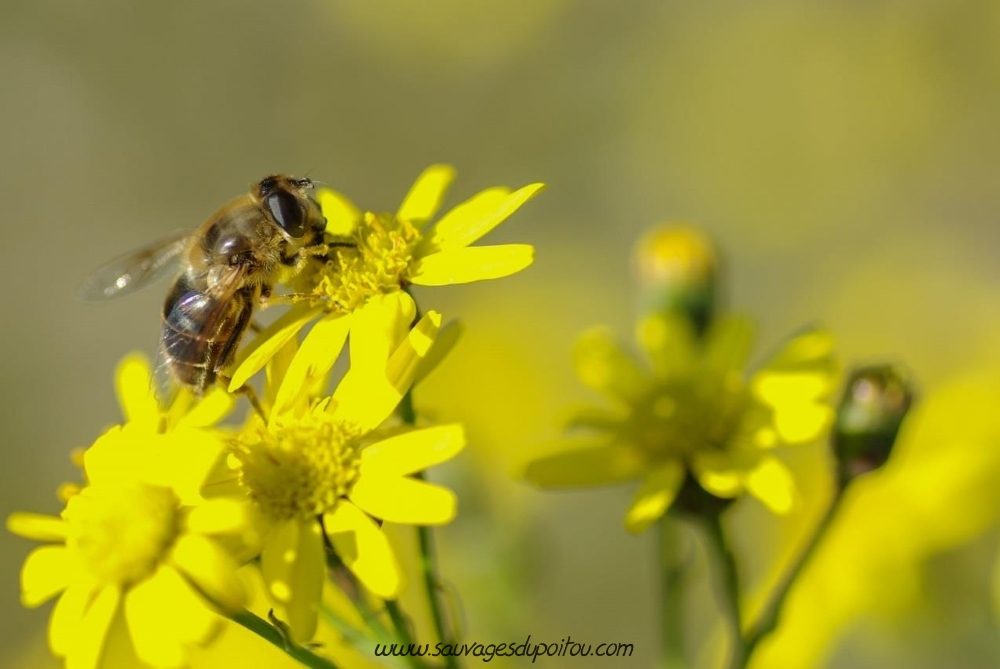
(286, 212)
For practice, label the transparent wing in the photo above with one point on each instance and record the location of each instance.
(136, 269)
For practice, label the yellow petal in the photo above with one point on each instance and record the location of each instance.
(340, 213)
(586, 464)
(255, 355)
(412, 351)
(772, 484)
(362, 546)
(316, 356)
(211, 409)
(473, 263)
(804, 369)
(211, 570)
(220, 516)
(669, 341)
(368, 399)
(88, 643)
(603, 366)
(293, 564)
(134, 387)
(446, 340)
(274, 371)
(37, 526)
(46, 572)
(163, 615)
(655, 496)
(67, 617)
(801, 422)
(728, 343)
(718, 475)
(597, 418)
(476, 217)
(413, 451)
(377, 329)
(426, 194)
(400, 499)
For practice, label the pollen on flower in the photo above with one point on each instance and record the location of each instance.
(121, 533)
(378, 263)
(301, 468)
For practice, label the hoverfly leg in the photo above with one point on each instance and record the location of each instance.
(295, 298)
(247, 391)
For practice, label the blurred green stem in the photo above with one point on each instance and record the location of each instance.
(769, 618)
(729, 581)
(672, 592)
(402, 631)
(428, 553)
(279, 638)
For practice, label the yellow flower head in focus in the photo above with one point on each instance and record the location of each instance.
(386, 253)
(127, 542)
(318, 472)
(693, 413)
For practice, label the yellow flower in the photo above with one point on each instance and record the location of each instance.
(693, 414)
(173, 447)
(319, 473)
(126, 542)
(361, 286)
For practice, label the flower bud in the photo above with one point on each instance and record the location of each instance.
(676, 267)
(875, 402)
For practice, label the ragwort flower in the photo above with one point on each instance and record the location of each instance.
(128, 543)
(320, 474)
(695, 413)
(362, 284)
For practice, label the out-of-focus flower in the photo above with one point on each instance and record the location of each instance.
(676, 266)
(694, 413)
(362, 285)
(127, 542)
(876, 400)
(322, 475)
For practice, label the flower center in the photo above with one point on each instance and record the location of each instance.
(122, 532)
(692, 414)
(377, 264)
(300, 468)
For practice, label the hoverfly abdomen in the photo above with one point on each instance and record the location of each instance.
(201, 332)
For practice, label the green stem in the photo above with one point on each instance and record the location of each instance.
(730, 585)
(425, 538)
(402, 630)
(269, 632)
(428, 552)
(768, 620)
(672, 593)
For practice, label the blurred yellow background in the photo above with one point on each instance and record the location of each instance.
(844, 155)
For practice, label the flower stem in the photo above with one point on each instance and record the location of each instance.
(768, 620)
(269, 632)
(730, 585)
(428, 552)
(672, 593)
(406, 639)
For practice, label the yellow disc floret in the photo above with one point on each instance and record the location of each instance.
(301, 468)
(683, 416)
(121, 533)
(377, 264)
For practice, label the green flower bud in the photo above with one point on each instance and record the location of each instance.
(676, 266)
(875, 402)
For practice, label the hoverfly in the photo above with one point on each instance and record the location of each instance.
(227, 267)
